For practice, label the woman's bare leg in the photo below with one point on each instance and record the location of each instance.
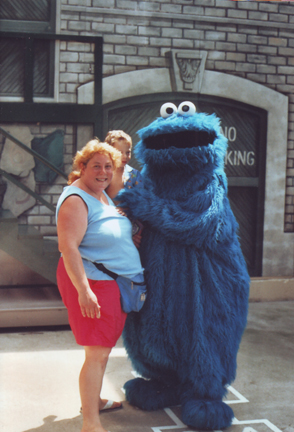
(91, 377)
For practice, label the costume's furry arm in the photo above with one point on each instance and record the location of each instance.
(202, 219)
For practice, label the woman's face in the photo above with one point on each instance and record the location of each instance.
(124, 147)
(98, 172)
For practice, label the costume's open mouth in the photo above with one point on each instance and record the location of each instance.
(184, 139)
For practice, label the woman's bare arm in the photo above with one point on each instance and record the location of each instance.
(71, 228)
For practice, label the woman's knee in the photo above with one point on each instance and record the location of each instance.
(97, 354)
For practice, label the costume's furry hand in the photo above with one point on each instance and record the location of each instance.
(200, 220)
(133, 201)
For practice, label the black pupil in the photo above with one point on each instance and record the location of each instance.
(185, 108)
(169, 110)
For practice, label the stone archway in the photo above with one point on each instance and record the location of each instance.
(277, 257)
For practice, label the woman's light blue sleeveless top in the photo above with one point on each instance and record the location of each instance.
(108, 239)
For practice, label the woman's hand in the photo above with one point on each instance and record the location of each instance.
(89, 304)
(137, 240)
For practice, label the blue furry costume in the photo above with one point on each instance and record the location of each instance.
(186, 337)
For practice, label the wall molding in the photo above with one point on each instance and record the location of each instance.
(178, 16)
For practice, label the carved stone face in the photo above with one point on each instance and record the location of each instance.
(182, 137)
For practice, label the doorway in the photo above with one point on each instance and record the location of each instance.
(245, 128)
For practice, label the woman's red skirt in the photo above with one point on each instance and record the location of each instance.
(103, 331)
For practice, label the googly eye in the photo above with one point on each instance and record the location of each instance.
(186, 109)
(168, 109)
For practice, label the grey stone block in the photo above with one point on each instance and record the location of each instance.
(225, 65)
(137, 40)
(276, 41)
(261, 16)
(246, 48)
(137, 61)
(237, 57)
(256, 58)
(126, 29)
(77, 46)
(148, 51)
(276, 60)
(257, 77)
(214, 35)
(160, 41)
(267, 50)
(114, 59)
(237, 37)
(66, 56)
(149, 31)
(236, 13)
(278, 17)
(193, 10)
(145, 6)
(225, 46)
(126, 49)
(287, 70)
(216, 12)
(259, 40)
(102, 27)
(194, 34)
(245, 67)
(286, 52)
(171, 8)
(104, 3)
(266, 69)
(68, 77)
(78, 26)
(172, 32)
(182, 43)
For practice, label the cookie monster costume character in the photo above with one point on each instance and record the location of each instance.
(184, 341)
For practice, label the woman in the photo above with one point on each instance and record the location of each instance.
(125, 176)
(91, 230)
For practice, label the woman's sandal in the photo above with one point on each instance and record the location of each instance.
(109, 406)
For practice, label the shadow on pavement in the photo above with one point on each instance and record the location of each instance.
(50, 425)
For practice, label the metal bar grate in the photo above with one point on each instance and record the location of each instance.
(28, 10)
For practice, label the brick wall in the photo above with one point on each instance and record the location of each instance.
(75, 67)
(254, 40)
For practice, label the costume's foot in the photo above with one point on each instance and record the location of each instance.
(108, 406)
(207, 414)
(150, 395)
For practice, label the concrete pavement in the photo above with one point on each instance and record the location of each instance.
(39, 380)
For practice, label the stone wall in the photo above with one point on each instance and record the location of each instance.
(253, 40)
(76, 66)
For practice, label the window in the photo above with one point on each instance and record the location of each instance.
(26, 17)
(34, 16)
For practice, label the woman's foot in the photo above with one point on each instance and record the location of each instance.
(88, 428)
(106, 405)
(109, 405)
